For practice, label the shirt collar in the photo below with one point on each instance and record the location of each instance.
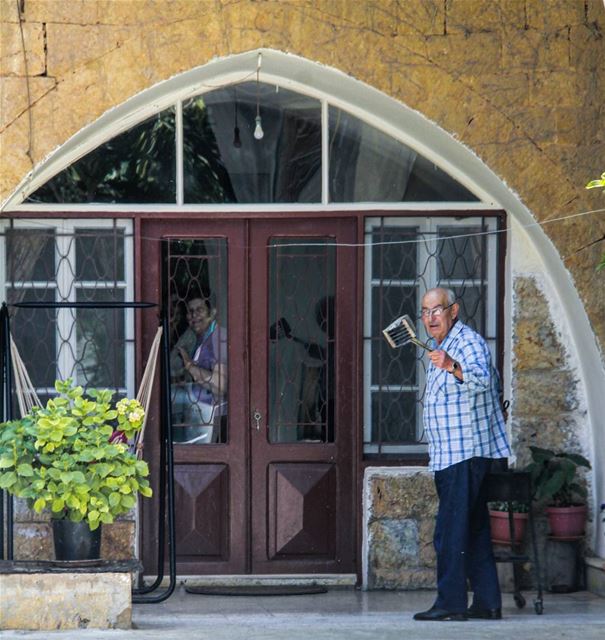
(452, 333)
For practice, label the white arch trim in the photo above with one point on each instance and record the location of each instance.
(415, 130)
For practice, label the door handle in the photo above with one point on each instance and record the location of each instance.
(256, 416)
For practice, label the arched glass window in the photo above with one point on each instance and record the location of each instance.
(224, 163)
(136, 167)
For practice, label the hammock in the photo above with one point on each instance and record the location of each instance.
(27, 397)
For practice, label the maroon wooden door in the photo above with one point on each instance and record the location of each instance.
(301, 396)
(264, 480)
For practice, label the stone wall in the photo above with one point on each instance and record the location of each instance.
(33, 539)
(399, 518)
(541, 417)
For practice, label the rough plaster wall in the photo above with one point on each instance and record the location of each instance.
(526, 78)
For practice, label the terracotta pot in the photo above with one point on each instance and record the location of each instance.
(498, 521)
(567, 522)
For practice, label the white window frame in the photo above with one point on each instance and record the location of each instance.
(422, 225)
(66, 286)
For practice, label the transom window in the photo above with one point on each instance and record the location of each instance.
(204, 151)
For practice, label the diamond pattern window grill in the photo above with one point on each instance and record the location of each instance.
(71, 261)
(196, 285)
(404, 258)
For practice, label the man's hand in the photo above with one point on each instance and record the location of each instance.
(440, 359)
(443, 361)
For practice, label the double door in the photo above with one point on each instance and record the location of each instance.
(264, 427)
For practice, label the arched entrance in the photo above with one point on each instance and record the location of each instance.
(390, 117)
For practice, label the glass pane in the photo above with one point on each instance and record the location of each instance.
(30, 255)
(391, 302)
(138, 166)
(394, 417)
(100, 338)
(461, 257)
(284, 166)
(394, 252)
(301, 347)
(35, 334)
(472, 306)
(99, 254)
(367, 165)
(197, 298)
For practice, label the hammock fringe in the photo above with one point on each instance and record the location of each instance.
(27, 397)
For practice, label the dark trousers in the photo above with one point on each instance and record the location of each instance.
(462, 538)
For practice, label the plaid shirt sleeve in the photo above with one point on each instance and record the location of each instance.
(463, 419)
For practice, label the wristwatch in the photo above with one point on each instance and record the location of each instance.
(455, 367)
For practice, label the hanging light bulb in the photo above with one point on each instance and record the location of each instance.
(258, 129)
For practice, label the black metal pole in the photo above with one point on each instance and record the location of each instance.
(3, 360)
(167, 444)
(162, 490)
(7, 415)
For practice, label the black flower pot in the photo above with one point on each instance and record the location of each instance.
(75, 540)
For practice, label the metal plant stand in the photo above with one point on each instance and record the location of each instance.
(515, 486)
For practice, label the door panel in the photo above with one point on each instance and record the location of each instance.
(302, 356)
(202, 260)
(263, 460)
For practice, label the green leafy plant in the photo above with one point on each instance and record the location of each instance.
(553, 476)
(71, 456)
(517, 507)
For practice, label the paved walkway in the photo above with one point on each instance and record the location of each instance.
(342, 615)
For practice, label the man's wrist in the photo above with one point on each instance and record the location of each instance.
(455, 366)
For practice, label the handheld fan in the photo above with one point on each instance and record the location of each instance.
(401, 332)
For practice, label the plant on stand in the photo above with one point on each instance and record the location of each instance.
(554, 480)
(72, 458)
(500, 515)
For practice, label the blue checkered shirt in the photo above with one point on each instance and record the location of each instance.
(463, 419)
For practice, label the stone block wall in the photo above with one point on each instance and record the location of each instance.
(547, 408)
(33, 539)
(400, 505)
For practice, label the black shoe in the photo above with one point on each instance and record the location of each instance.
(440, 614)
(484, 614)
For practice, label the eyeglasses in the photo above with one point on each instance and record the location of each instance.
(435, 311)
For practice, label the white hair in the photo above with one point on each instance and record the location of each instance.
(449, 294)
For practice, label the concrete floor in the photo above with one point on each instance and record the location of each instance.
(345, 614)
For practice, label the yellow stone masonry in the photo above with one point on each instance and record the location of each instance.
(521, 82)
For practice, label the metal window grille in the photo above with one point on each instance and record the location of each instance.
(71, 261)
(404, 257)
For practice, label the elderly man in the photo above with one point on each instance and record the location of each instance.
(465, 430)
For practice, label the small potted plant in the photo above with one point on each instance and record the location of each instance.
(554, 481)
(500, 522)
(72, 458)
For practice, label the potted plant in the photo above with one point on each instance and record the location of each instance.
(72, 458)
(499, 519)
(554, 480)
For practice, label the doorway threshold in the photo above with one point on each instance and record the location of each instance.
(330, 580)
